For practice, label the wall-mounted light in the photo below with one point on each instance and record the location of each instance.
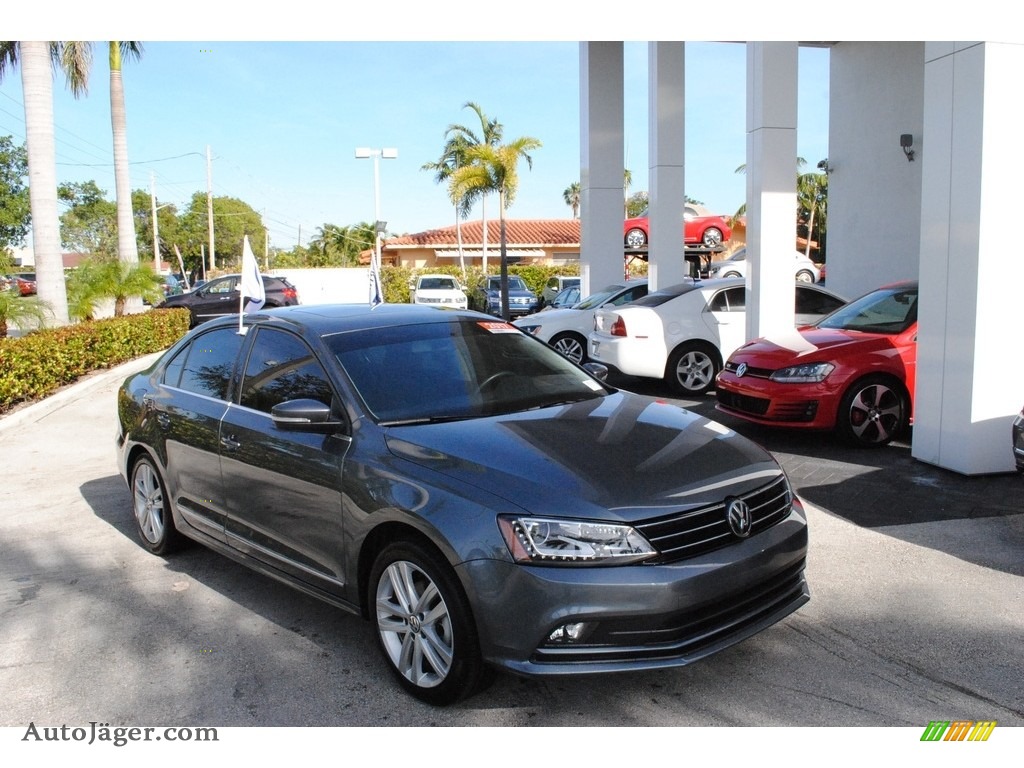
(906, 142)
(824, 166)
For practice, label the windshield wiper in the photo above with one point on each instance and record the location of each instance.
(423, 420)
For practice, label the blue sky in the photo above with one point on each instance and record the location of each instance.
(282, 120)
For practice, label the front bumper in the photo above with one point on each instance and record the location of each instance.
(638, 616)
(762, 401)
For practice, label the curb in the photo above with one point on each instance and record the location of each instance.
(70, 393)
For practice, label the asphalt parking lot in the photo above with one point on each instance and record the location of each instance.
(917, 609)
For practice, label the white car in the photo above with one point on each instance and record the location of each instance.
(683, 333)
(441, 290)
(805, 270)
(566, 329)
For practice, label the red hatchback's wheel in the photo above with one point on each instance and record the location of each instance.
(872, 412)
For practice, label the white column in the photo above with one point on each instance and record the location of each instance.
(601, 164)
(771, 187)
(666, 140)
(970, 369)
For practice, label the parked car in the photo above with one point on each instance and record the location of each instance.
(566, 298)
(555, 285)
(699, 229)
(6, 282)
(1018, 440)
(805, 270)
(482, 501)
(566, 329)
(220, 296)
(26, 283)
(852, 372)
(487, 296)
(444, 290)
(683, 333)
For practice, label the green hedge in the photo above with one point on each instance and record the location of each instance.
(36, 365)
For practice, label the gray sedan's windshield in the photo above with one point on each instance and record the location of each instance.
(456, 370)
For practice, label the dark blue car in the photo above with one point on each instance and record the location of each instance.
(521, 300)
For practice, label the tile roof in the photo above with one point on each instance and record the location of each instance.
(519, 232)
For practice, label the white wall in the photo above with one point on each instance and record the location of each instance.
(874, 193)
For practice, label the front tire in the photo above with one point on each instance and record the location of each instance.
(803, 276)
(424, 624)
(151, 505)
(571, 346)
(712, 237)
(872, 412)
(691, 369)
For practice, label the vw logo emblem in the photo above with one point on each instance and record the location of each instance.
(737, 512)
(741, 370)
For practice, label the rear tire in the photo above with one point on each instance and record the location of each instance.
(692, 368)
(424, 624)
(152, 508)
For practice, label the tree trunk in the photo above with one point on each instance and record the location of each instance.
(506, 312)
(458, 239)
(483, 219)
(37, 84)
(127, 246)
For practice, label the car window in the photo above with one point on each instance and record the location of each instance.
(437, 284)
(209, 362)
(282, 367)
(662, 295)
(634, 293)
(888, 310)
(812, 302)
(227, 285)
(729, 300)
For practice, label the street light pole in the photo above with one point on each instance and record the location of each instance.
(388, 153)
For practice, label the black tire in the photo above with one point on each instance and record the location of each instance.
(712, 237)
(571, 345)
(873, 411)
(732, 274)
(692, 368)
(151, 509)
(804, 276)
(635, 238)
(429, 642)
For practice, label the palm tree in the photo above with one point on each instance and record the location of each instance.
(35, 57)
(812, 201)
(490, 136)
(495, 169)
(23, 311)
(627, 182)
(127, 246)
(454, 156)
(571, 195)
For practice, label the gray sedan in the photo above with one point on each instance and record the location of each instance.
(484, 502)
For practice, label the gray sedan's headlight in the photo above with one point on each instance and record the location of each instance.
(806, 373)
(572, 542)
(530, 329)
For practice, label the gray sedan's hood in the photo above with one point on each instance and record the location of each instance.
(632, 456)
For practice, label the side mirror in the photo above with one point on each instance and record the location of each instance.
(303, 415)
(598, 370)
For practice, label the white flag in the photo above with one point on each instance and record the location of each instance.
(252, 281)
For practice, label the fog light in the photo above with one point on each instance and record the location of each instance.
(568, 633)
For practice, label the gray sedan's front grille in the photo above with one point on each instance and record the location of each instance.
(692, 533)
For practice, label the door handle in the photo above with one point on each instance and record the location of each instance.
(229, 443)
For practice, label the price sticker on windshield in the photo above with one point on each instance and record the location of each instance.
(499, 327)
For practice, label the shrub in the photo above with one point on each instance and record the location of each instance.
(36, 365)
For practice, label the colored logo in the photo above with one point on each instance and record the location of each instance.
(958, 730)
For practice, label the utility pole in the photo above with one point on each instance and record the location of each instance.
(209, 208)
(156, 235)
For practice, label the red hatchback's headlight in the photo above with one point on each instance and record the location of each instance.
(805, 373)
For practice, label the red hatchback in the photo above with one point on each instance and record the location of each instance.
(854, 372)
(698, 230)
